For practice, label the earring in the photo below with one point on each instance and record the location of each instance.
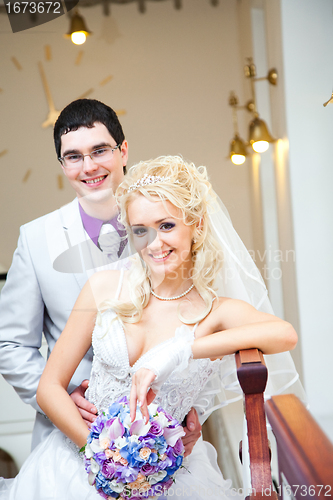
(194, 241)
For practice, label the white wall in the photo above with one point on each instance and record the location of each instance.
(307, 34)
(172, 73)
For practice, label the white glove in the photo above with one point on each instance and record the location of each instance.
(174, 356)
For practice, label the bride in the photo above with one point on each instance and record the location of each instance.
(159, 329)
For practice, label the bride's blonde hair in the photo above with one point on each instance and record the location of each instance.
(189, 190)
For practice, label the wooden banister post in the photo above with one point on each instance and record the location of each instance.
(252, 375)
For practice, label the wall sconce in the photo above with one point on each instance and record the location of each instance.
(78, 30)
(259, 135)
(238, 151)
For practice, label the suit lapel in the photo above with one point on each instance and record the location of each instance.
(75, 236)
(71, 249)
(64, 233)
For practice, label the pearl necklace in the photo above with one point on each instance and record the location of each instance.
(171, 298)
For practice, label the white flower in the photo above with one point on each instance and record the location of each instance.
(117, 487)
(172, 435)
(127, 421)
(91, 478)
(104, 439)
(162, 420)
(88, 451)
(120, 442)
(156, 477)
(134, 439)
(95, 446)
(94, 467)
(139, 428)
(152, 408)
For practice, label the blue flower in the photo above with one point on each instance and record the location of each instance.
(153, 458)
(109, 491)
(160, 445)
(148, 441)
(101, 481)
(123, 412)
(114, 410)
(130, 451)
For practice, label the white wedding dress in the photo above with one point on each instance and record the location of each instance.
(55, 469)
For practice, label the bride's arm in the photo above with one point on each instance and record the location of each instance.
(236, 325)
(232, 326)
(66, 355)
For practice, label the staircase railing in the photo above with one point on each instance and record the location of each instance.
(305, 454)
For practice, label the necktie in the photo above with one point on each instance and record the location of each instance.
(109, 240)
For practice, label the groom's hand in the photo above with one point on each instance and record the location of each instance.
(192, 429)
(87, 410)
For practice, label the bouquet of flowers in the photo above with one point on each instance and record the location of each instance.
(133, 460)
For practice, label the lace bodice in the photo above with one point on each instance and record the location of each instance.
(111, 372)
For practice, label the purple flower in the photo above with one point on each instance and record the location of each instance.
(179, 447)
(100, 457)
(147, 469)
(155, 428)
(165, 464)
(108, 469)
(96, 428)
(168, 483)
(126, 474)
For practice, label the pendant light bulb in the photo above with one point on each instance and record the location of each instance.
(259, 136)
(78, 30)
(260, 146)
(78, 37)
(238, 151)
(238, 159)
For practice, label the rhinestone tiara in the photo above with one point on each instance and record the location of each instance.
(146, 180)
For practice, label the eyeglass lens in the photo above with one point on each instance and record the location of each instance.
(97, 156)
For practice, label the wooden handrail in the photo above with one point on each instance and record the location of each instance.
(305, 454)
(252, 375)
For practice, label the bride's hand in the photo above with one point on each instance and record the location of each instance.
(141, 382)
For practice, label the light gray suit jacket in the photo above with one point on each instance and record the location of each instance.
(52, 262)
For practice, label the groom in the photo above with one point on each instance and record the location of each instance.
(58, 252)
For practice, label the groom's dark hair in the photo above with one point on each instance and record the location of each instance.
(85, 113)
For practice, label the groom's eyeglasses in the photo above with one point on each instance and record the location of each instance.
(100, 155)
